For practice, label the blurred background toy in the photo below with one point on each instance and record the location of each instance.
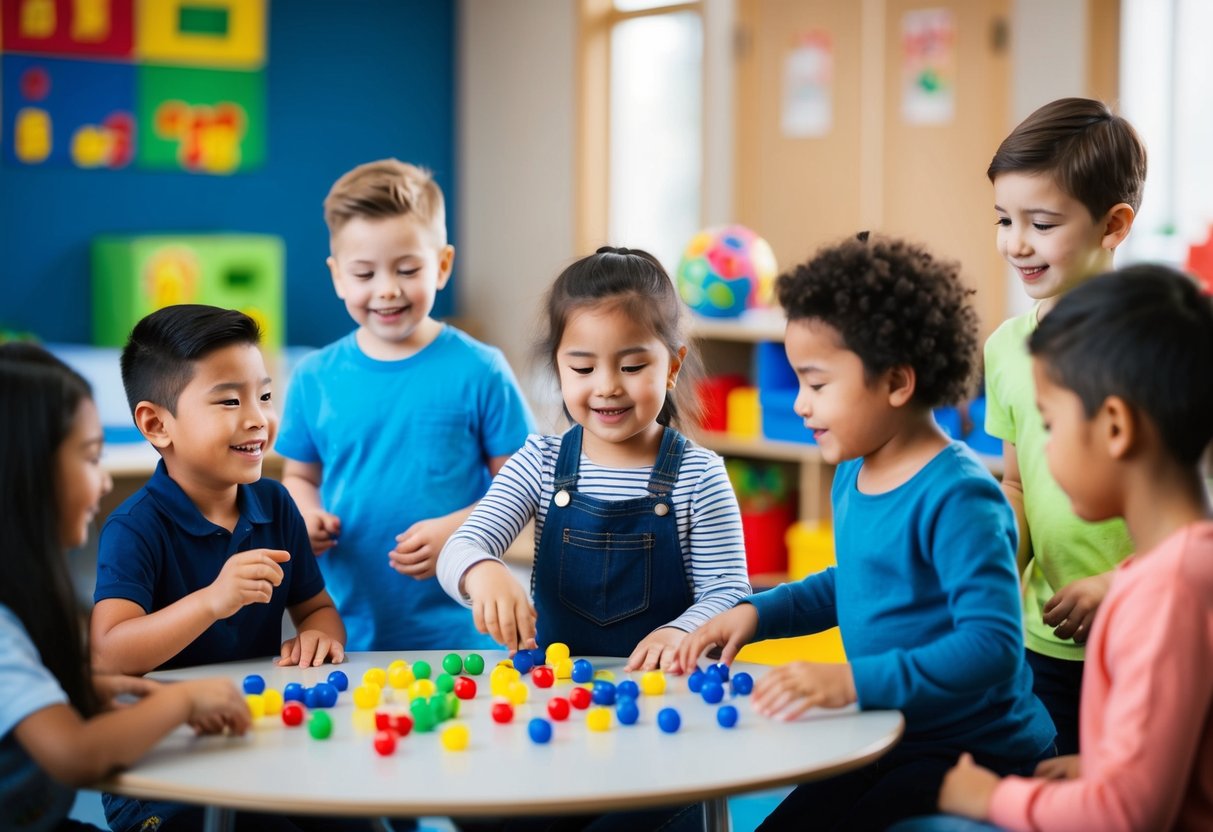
(725, 271)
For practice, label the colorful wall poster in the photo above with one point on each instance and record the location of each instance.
(808, 86)
(203, 121)
(928, 66)
(159, 84)
(93, 28)
(68, 112)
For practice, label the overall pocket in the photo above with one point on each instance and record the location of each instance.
(605, 577)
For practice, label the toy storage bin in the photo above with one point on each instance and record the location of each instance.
(810, 548)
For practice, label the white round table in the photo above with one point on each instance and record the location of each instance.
(502, 772)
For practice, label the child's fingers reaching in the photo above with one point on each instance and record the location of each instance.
(492, 624)
(731, 648)
(1077, 623)
(644, 657)
(668, 659)
(415, 558)
(331, 523)
(691, 648)
(478, 617)
(284, 653)
(257, 592)
(324, 644)
(1050, 770)
(1066, 629)
(207, 725)
(1065, 767)
(525, 616)
(767, 688)
(336, 652)
(507, 624)
(1082, 632)
(309, 647)
(1057, 609)
(794, 706)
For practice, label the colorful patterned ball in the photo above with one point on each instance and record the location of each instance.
(725, 271)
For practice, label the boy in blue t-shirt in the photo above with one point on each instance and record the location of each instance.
(925, 592)
(393, 433)
(200, 564)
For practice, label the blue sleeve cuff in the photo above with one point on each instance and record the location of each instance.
(875, 681)
(774, 612)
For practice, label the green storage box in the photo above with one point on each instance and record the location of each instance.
(137, 274)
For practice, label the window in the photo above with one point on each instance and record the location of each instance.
(1165, 66)
(641, 149)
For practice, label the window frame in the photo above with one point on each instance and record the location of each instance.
(592, 185)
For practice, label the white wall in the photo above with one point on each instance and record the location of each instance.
(1048, 53)
(515, 155)
(1048, 61)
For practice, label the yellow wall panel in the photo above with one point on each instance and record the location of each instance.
(220, 33)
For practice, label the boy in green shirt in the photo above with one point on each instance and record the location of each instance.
(1067, 186)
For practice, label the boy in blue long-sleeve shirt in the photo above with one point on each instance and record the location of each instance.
(925, 592)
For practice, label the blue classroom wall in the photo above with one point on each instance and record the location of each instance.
(346, 83)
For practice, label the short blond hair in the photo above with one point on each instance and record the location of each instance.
(386, 188)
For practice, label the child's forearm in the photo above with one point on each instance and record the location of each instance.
(1023, 551)
(304, 492)
(139, 644)
(713, 597)
(80, 752)
(1012, 488)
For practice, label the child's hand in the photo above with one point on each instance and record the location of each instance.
(110, 686)
(788, 691)
(730, 631)
(310, 648)
(1066, 767)
(215, 705)
(658, 649)
(1072, 610)
(247, 578)
(500, 606)
(323, 529)
(417, 548)
(967, 789)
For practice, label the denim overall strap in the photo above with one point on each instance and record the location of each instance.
(669, 458)
(609, 572)
(568, 464)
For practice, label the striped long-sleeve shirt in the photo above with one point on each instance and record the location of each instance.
(709, 521)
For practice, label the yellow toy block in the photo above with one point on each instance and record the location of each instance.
(810, 548)
(221, 33)
(743, 412)
(32, 135)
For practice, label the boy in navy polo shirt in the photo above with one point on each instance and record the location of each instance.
(199, 564)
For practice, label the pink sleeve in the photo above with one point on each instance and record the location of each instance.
(1135, 775)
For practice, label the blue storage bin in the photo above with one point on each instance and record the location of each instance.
(948, 419)
(779, 421)
(771, 368)
(978, 439)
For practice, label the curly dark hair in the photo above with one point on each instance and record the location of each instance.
(894, 304)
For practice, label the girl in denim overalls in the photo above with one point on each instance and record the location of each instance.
(638, 531)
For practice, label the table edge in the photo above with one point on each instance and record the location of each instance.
(133, 785)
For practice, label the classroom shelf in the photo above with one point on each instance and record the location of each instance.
(813, 475)
(747, 331)
(727, 444)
